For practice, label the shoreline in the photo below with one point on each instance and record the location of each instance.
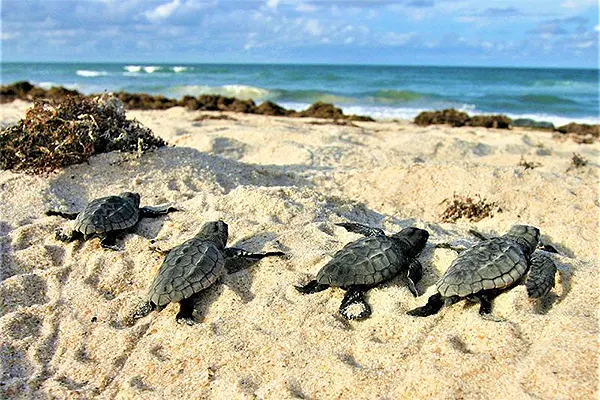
(210, 102)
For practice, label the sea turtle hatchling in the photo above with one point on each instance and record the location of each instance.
(491, 266)
(106, 216)
(366, 262)
(190, 268)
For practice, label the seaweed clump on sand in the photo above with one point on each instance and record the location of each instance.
(55, 135)
(448, 116)
(577, 161)
(456, 118)
(144, 101)
(466, 207)
(328, 111)
(24, 90)
(580, 133)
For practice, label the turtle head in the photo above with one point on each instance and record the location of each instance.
(215, 231)
(412, 240)
(526, 235)
(132, 197)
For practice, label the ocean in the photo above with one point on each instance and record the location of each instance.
(556, 95)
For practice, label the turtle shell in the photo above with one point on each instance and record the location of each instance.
(493, 264)
(107, 214)
(367, 261)
(188, 268)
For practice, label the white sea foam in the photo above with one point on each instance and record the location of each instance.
(383, 113)
(151, 68)
(90, 74)
(557, 120)
(245, 92)
(180, 69)
(133, 68)
(239, 91)
(47, 85)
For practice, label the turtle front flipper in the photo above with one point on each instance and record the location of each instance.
(66, 215)
(433, 306)
(156, 211)
(232, 252)
(239, 259)
(311, 287)
(414, 275)
(361, 229)
(186, 312)
(541, 275)
(355, 299)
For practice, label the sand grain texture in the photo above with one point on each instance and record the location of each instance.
(282, 184)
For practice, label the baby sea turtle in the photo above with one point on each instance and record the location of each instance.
(366, 262)
(190, 268)
(491, 266)
(106, 216)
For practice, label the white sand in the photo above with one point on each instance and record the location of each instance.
(281, 184)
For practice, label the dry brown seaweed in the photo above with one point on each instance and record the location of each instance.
(466, 207)
(55, 135)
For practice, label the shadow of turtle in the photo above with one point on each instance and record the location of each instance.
(238, 276)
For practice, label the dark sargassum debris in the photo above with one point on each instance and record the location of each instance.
(54, 135)
(469, 208)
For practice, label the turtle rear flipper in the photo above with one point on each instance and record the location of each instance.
(361, 229)
(109, 241)
(355, 298)
(186, 312)
(142, 309)
(541, 275)
(433, 306)
(67, 237)
(156, 211)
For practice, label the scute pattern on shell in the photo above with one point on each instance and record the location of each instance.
(188, 268)
(107, 214)
(367, 261)
(494, 264)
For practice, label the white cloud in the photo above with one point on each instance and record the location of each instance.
(307, 8)
(9, 35)
(578, 3)
(313, 27)
(397, 39)
(273, 3)
(585, 45)
(163, 11)
(597, 28)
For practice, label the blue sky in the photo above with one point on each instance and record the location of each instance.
(561, 33)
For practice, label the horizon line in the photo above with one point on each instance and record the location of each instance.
(597, 68)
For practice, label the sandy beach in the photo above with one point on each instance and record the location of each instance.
(282, 184)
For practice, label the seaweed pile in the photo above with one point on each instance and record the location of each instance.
(466, 207)
(580, 133)
(54, 135)
(143, 101)
(456, 118)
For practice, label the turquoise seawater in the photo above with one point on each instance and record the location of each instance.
(556, 95)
